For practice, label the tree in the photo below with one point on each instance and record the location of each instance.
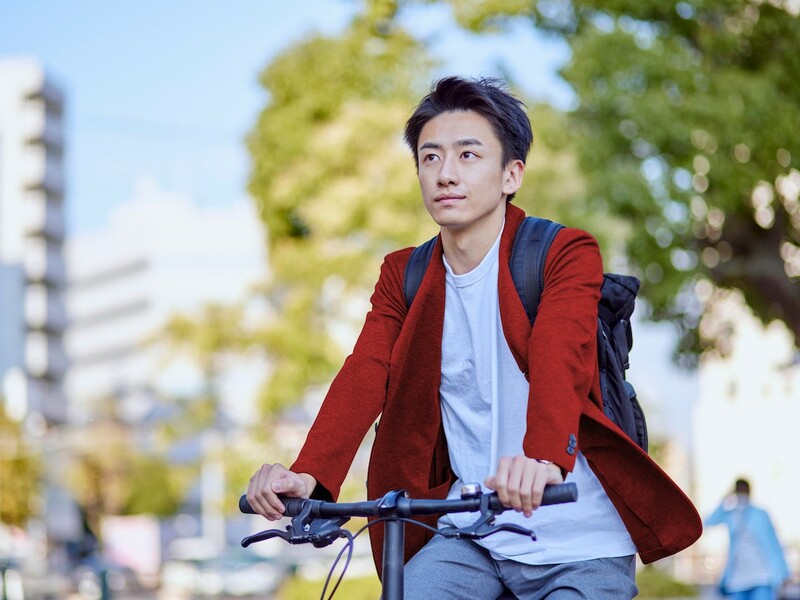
(111, 472)
(685, 127)
(208, 338)
(554, 186)
(20, 471)
(334, 186)
(212, 338)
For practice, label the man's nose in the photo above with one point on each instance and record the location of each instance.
(448, 173)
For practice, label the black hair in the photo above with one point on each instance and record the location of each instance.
(742, 486)
(486, 96)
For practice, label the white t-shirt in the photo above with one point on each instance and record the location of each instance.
(484, 398)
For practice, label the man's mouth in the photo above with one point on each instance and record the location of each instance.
(447, 198)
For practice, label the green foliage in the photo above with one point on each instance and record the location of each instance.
(685, 129)
(207, 337)
(240, 457)
(154, 486)
(20, 473)
(213, 339)
(335, 187)
(110, 474)
(655, 583)
(554, 187)
(352, 588)
(692, 105)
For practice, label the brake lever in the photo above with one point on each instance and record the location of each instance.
(511, 527)
(304, 529)
(484, 525)
(265, 535)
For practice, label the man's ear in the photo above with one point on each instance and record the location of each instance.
(512, 176)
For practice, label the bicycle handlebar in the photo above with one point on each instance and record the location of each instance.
(320, 523)
(407, 507)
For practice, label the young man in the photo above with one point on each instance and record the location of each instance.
(467, 391)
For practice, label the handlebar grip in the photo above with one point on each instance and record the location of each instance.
(244, 506)
(560, 493)
(293, 505)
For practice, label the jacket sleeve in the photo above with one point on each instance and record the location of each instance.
(357, 394)
(562, 349)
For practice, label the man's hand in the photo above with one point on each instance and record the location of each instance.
(519, 482)
(271, 480)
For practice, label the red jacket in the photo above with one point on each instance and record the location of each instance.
(394, 372)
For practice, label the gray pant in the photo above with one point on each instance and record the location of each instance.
(460, 569)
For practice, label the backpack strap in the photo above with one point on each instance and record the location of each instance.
(415, 269)
(528, 255)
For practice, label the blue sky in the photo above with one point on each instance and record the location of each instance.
(168, 90)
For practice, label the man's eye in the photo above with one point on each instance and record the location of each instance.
(469, 154)
(429, 157)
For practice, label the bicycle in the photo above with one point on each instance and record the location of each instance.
(320, 524)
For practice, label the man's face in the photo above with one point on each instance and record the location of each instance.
(463, 181)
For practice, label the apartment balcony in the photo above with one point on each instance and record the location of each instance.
(44, 262)
(52, 95)
(43, 169)
(44, 356)
(42, 124)
(44, 309)
(43, 216)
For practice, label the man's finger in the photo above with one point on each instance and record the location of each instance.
(513, 485)
(286, 485)
(526, 492)
(501, 481)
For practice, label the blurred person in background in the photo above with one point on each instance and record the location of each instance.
(756, 567)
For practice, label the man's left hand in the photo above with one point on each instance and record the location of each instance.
(519, 482)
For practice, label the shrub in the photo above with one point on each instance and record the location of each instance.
(655, 583)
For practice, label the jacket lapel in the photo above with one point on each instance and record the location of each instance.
(412, 401)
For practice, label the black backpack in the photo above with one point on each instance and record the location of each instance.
(614, 335)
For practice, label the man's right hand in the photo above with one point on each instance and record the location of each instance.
(271, 480)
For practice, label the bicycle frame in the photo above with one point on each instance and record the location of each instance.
(318, 522)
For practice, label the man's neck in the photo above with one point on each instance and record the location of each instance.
(464, 249)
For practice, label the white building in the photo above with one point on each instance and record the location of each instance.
(157, 256)
(32, 274)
